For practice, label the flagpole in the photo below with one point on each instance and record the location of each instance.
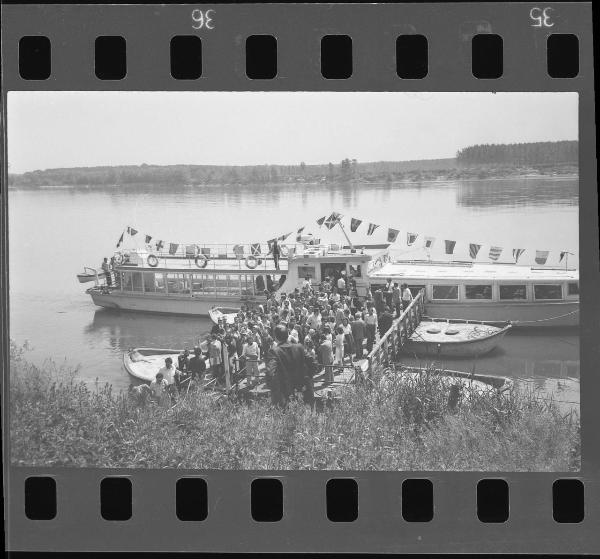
(344, 232)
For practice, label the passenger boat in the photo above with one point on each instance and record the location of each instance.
(223, 313)
(527, 296)
(195, 281)
(452, 338)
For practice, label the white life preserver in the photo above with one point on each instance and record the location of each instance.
(251, 262)
(118, 258)
(152, 261)
(201, 261)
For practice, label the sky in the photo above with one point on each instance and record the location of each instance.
(75, 129)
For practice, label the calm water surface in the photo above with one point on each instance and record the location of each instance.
(54, 232)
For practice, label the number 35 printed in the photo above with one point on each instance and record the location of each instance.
(541, 17)
(203, 19)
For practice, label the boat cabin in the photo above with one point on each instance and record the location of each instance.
(466, 282)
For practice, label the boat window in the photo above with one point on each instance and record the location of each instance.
(203, 284)
(304, 271)
(445, 292)
(478, 291)
(513, 292)
(355, 270)
(247, 284)
(548, 291)
(132, 281)
(177, 283)
(573, 288)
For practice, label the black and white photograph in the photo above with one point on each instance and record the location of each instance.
(377, 281)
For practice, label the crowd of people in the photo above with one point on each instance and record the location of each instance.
(295, 335)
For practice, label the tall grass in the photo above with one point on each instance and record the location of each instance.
(394, 423)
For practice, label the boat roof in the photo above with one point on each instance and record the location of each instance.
(460, 271)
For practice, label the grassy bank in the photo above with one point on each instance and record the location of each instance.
(56, 420)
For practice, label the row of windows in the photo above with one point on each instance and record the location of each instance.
(507, 292)
(197, 283)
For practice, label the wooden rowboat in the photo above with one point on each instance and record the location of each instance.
(89, 274)
(226, 313)
(435, 337)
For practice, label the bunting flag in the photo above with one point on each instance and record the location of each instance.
(299, 234)
(541, 256)
(271, 242)
(148, 239)
(392, 235)
(517, 253)
(429, 242)
(495, 253)
(450, 246)
(354, 223)
(120, 240)
(128, 230)
(321, 220)
(562, 255)
(332, 220)
(132, 231)
(284, 237)
(411, 238)
(473, 250)
(255, 248)
(238, 250)
(173, 248)
(190, 251)
(372, 228)
(159, 245)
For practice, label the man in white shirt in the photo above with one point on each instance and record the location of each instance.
(251, 353)
(168, 371)
(406, 296)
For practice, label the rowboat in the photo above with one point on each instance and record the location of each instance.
(143, 363)
(439, 337)
(223, 313)
(90, 274)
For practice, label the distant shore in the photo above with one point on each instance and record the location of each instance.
(479, 173)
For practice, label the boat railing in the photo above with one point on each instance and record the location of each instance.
(387, 349)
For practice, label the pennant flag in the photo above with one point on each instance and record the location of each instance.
(132, 231)
(473, 250)
(148, 239)
(271, 242)
(332, 220)
(321, 220)
(205, 251)
(562, 255)
(392, 235)
(541, 256)
(495, 253)
(411, 238)
(429, 242)
(128, 230)
(255, 248)
(284, 237)
(159, 245)
(120, 240)
(173, 248)
(450, 246)
(299, 232)
(238, 250)
(517, 253)
(372, 228)
(190, 251)
(354, 223)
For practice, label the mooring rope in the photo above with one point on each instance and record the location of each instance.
(545, 319)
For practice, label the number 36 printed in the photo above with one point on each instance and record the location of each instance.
(203, 19)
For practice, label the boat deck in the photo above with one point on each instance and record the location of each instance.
(447, 332)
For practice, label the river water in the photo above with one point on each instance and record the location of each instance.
(55, 231)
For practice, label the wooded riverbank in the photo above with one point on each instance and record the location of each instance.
(56, 420)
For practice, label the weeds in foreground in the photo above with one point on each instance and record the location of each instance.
(401, 423)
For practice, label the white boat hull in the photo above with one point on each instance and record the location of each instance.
(196, 306)
(538, 314)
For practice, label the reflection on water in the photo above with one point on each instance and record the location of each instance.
(513, 193)
(67, 229)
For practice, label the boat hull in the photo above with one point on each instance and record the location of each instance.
(521, 315)
(196, 306)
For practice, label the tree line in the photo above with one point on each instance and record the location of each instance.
(535, 153)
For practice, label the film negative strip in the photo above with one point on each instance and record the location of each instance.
(340, 210)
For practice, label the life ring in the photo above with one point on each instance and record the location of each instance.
(118, 258)
(251, 262)
(152, 261)
(201, 261)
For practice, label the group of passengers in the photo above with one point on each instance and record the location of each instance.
(333, 324)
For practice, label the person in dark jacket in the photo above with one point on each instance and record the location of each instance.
(289, 368)
(385, 321)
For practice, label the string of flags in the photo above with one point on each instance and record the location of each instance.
(329, 222)
(494, 253)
